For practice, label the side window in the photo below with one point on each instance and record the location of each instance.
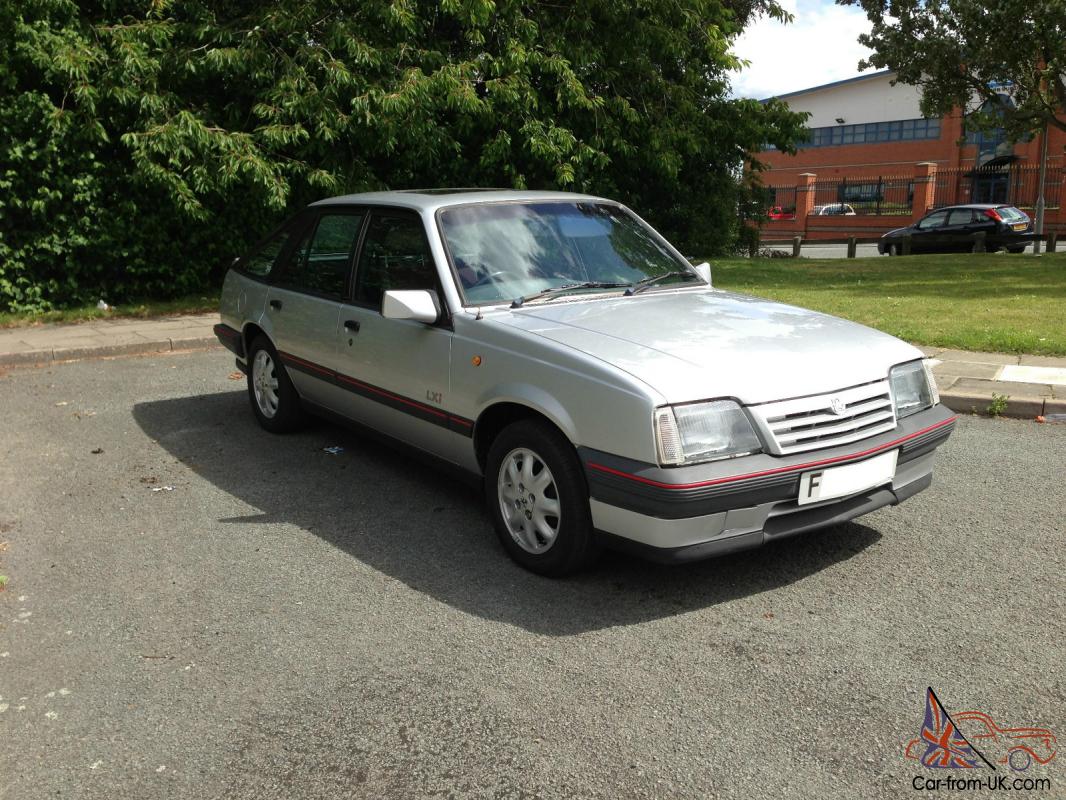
(933, 221)
(273, 256)
(960, 216)
(319, 261)
(261, 261)
(395, 256)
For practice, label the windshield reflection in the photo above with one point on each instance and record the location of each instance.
(504, 251)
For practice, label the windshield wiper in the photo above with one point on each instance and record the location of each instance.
(518, 302)
(647, 283)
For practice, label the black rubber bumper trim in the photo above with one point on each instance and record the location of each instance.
(231, 339)
(436, 416)
(778, 527)
(679, 493)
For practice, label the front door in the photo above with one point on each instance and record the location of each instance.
(926, 235)
(397, 372)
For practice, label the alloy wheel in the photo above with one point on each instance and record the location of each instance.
(265, 384)
(529, 500)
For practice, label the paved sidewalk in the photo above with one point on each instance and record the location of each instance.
(982, 383)
(44, 344)
(1020, 386)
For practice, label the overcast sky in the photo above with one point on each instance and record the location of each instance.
(820, 46)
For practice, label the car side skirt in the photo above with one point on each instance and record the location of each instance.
(436, 416)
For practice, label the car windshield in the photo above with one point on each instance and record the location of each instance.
(505, 251)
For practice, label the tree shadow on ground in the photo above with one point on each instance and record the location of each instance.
(415, 523)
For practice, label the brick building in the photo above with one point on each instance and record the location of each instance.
(867, 140)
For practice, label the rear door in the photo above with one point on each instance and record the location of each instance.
(397, 372)
(305, 301)
(958, 234)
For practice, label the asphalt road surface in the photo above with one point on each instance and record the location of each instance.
(287, 623)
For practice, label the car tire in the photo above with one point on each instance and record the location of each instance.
(545, 526)
(1020, 759)
(893, 249)
(275, 401)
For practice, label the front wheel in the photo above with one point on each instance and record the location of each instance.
(538, 499)
(893, 250)
(274, 399)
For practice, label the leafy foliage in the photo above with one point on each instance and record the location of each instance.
(148, 142)
(969, 54)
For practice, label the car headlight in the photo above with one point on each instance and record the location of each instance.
(913, 388)
(697, 432)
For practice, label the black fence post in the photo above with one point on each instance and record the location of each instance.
(979, 242)
(852, 244)
(1052, 241)
(797, 242)
(905, 249)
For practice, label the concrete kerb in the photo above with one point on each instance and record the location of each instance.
(1014, 407)
(58, 355)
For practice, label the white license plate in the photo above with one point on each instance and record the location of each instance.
(827, 484)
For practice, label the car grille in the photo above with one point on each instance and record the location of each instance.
(809, 423)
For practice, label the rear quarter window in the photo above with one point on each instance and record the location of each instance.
(261, 261)
(1012, 214)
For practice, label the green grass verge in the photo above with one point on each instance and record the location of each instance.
(995, 302)
(193, 304)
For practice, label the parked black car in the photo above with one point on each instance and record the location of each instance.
(952, 230)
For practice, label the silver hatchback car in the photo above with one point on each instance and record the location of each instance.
(558, 349)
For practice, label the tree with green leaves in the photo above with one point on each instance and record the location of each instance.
(970, 55)
(147, 142)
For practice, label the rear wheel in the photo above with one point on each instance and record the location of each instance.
(1020, 759)
(274, 399)
(538, 499)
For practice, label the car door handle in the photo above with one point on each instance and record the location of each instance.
(352, 325)
(275, 304)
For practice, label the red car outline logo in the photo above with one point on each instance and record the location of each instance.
(1017, 748)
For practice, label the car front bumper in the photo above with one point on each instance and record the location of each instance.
(689, 513)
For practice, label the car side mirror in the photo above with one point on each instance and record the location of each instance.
(704, 271)
(418, 304)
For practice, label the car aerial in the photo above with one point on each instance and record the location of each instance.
(953, 229)
(833, 210)
(1018, 748)
(557, 349)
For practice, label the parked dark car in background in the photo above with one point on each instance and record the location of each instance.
(953, 230)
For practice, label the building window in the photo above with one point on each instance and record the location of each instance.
(873, 132)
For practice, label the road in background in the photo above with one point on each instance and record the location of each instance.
(197, 608)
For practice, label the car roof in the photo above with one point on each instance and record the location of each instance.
(432, 199)
(976, 205)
